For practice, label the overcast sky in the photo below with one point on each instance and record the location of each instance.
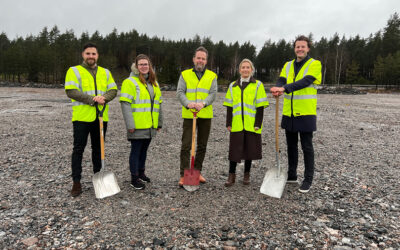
(228, 20)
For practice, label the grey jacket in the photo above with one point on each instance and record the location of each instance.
(130, 123)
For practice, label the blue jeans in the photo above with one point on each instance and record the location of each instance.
(137, 158)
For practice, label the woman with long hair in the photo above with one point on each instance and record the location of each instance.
(141, 108)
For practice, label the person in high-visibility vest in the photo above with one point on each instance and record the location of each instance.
(197, 89)
(141, 107)
(88, 86)
(298, 83)
(245, 102)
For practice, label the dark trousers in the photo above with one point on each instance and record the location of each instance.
(233, 164)
(292, 139)
(203, 131)
(137, 158)
(81, 132)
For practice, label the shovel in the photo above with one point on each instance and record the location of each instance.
(104, 182)
(275, 179)
(191, 176)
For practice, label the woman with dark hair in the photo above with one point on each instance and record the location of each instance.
(141, 108)
(245, 102)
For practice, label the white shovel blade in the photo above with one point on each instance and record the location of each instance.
(274, 183)
(105, 184)
(190, 188)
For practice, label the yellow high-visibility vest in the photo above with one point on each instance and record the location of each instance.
(254, 96)
(197, 91)
(135, 92)
(82, 80)
(303, 101)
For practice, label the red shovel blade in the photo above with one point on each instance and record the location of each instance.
(191, 176)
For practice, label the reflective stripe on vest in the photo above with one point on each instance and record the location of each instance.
(303, 101)
(86, 85)
(244, 105)
(145, 113)
(197, 91)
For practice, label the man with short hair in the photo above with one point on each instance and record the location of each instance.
(197, 89)
(298, 81)
(90, 87)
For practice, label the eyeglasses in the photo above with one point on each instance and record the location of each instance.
(143, 64)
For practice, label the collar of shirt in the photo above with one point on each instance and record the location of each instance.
(93, 71)
(298, 65)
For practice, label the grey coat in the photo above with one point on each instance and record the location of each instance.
(130, 123)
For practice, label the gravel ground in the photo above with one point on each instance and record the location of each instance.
(354, 201)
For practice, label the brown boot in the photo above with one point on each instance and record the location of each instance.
(231, 180)
(76, 189)
(246, 178)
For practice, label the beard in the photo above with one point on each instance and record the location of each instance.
(91, 62)
(199, 67)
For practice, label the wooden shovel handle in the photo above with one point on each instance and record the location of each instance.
(277, 123)
(193, 134)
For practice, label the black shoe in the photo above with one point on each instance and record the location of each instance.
(144, 178)
(137, 184)
(305, 187)
(292, 180)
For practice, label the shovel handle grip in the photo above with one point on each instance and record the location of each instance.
(100, 111)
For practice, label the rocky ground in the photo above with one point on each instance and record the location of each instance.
(354, 201)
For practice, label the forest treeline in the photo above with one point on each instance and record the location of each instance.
(46, 57)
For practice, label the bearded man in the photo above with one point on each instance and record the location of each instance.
(197, 90)
(90, 87)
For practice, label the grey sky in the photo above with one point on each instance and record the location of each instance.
(227, 20)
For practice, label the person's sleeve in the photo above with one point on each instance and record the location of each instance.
(212, 94)
(228, 102)
(79, 96)
(313, 76)
(300, 84)
(127, 114)
(229, 116)
(259, 117)
(160, 116)
(281, 82)
(181, 92)
(110, 95)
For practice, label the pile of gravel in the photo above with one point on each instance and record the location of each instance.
(353, 203)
